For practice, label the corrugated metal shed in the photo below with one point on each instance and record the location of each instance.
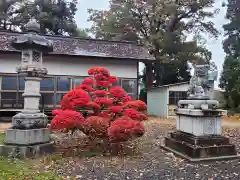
(158, 98)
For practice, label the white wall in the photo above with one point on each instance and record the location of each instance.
(68, 65)
(179, 87)
(157, 100)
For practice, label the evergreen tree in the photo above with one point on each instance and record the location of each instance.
(56, 17)
(8, 9)
(230, 78)
(81, 33)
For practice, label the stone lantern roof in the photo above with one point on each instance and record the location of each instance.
(32, 39)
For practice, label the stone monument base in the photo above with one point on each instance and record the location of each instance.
(23, 152)
(28, 120)
(199, 148)
(26, 143)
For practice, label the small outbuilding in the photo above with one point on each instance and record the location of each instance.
(163, 100)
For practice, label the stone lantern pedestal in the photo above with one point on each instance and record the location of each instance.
(29, 135)
(198, 133)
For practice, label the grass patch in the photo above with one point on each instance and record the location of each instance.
(22, 170)
(16, 169)
(1, 137)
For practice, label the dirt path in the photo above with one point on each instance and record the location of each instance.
(4, 126)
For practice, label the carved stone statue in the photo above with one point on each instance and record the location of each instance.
(202, 80)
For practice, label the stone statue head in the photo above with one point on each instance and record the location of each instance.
(202, 80)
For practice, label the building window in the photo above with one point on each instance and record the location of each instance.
(47, 84)
(47, 99)
(59, 98)
(9, 83)
(133, 96)
(77, 81)
(130, 86)
(117, 83)
(175, 96)
(8, 99)
(63, 84)
(20, 100)
(21, 83)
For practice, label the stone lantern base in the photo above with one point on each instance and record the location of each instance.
(27, 143)
(30, 151)
(28, 137)
(198, 136)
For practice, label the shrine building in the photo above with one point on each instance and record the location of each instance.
(67, 67)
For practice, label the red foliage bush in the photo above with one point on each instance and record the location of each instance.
(117, 92)
(134, 114)
(139, 105)
(88, 81)
(125, 129)
(100, 93)
(67, 119)
(104, 101)
(113, 79)
(85, 87)
(93, 105)
(74, 99)
(101, 110)
(96, 127)
(116, 109)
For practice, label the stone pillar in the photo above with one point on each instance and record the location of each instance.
(30, 116)
(29, 135)
(31, 95)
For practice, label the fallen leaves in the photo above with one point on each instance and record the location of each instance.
(151, 162)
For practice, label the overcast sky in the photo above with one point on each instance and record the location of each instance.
(215, 46)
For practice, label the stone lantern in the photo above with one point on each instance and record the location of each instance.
(28, 133)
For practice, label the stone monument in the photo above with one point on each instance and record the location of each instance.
(198, 122)
(28, 135)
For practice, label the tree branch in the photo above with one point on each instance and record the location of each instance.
(176, 19)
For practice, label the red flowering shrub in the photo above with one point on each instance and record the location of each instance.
(104, 101)
(116, 109)
(125, 129)
(85, 87)
(101, 110)
(88, 81)
(134, 114)
(66, 119)
(139, 105)
(74, 99)
(104, 114)
(117, 92)
(113, 79)
(96, 127)
(100, 93)
(93, 105)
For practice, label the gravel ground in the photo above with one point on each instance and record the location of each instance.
(152, 163)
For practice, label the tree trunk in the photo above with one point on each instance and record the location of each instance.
(149, 74)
